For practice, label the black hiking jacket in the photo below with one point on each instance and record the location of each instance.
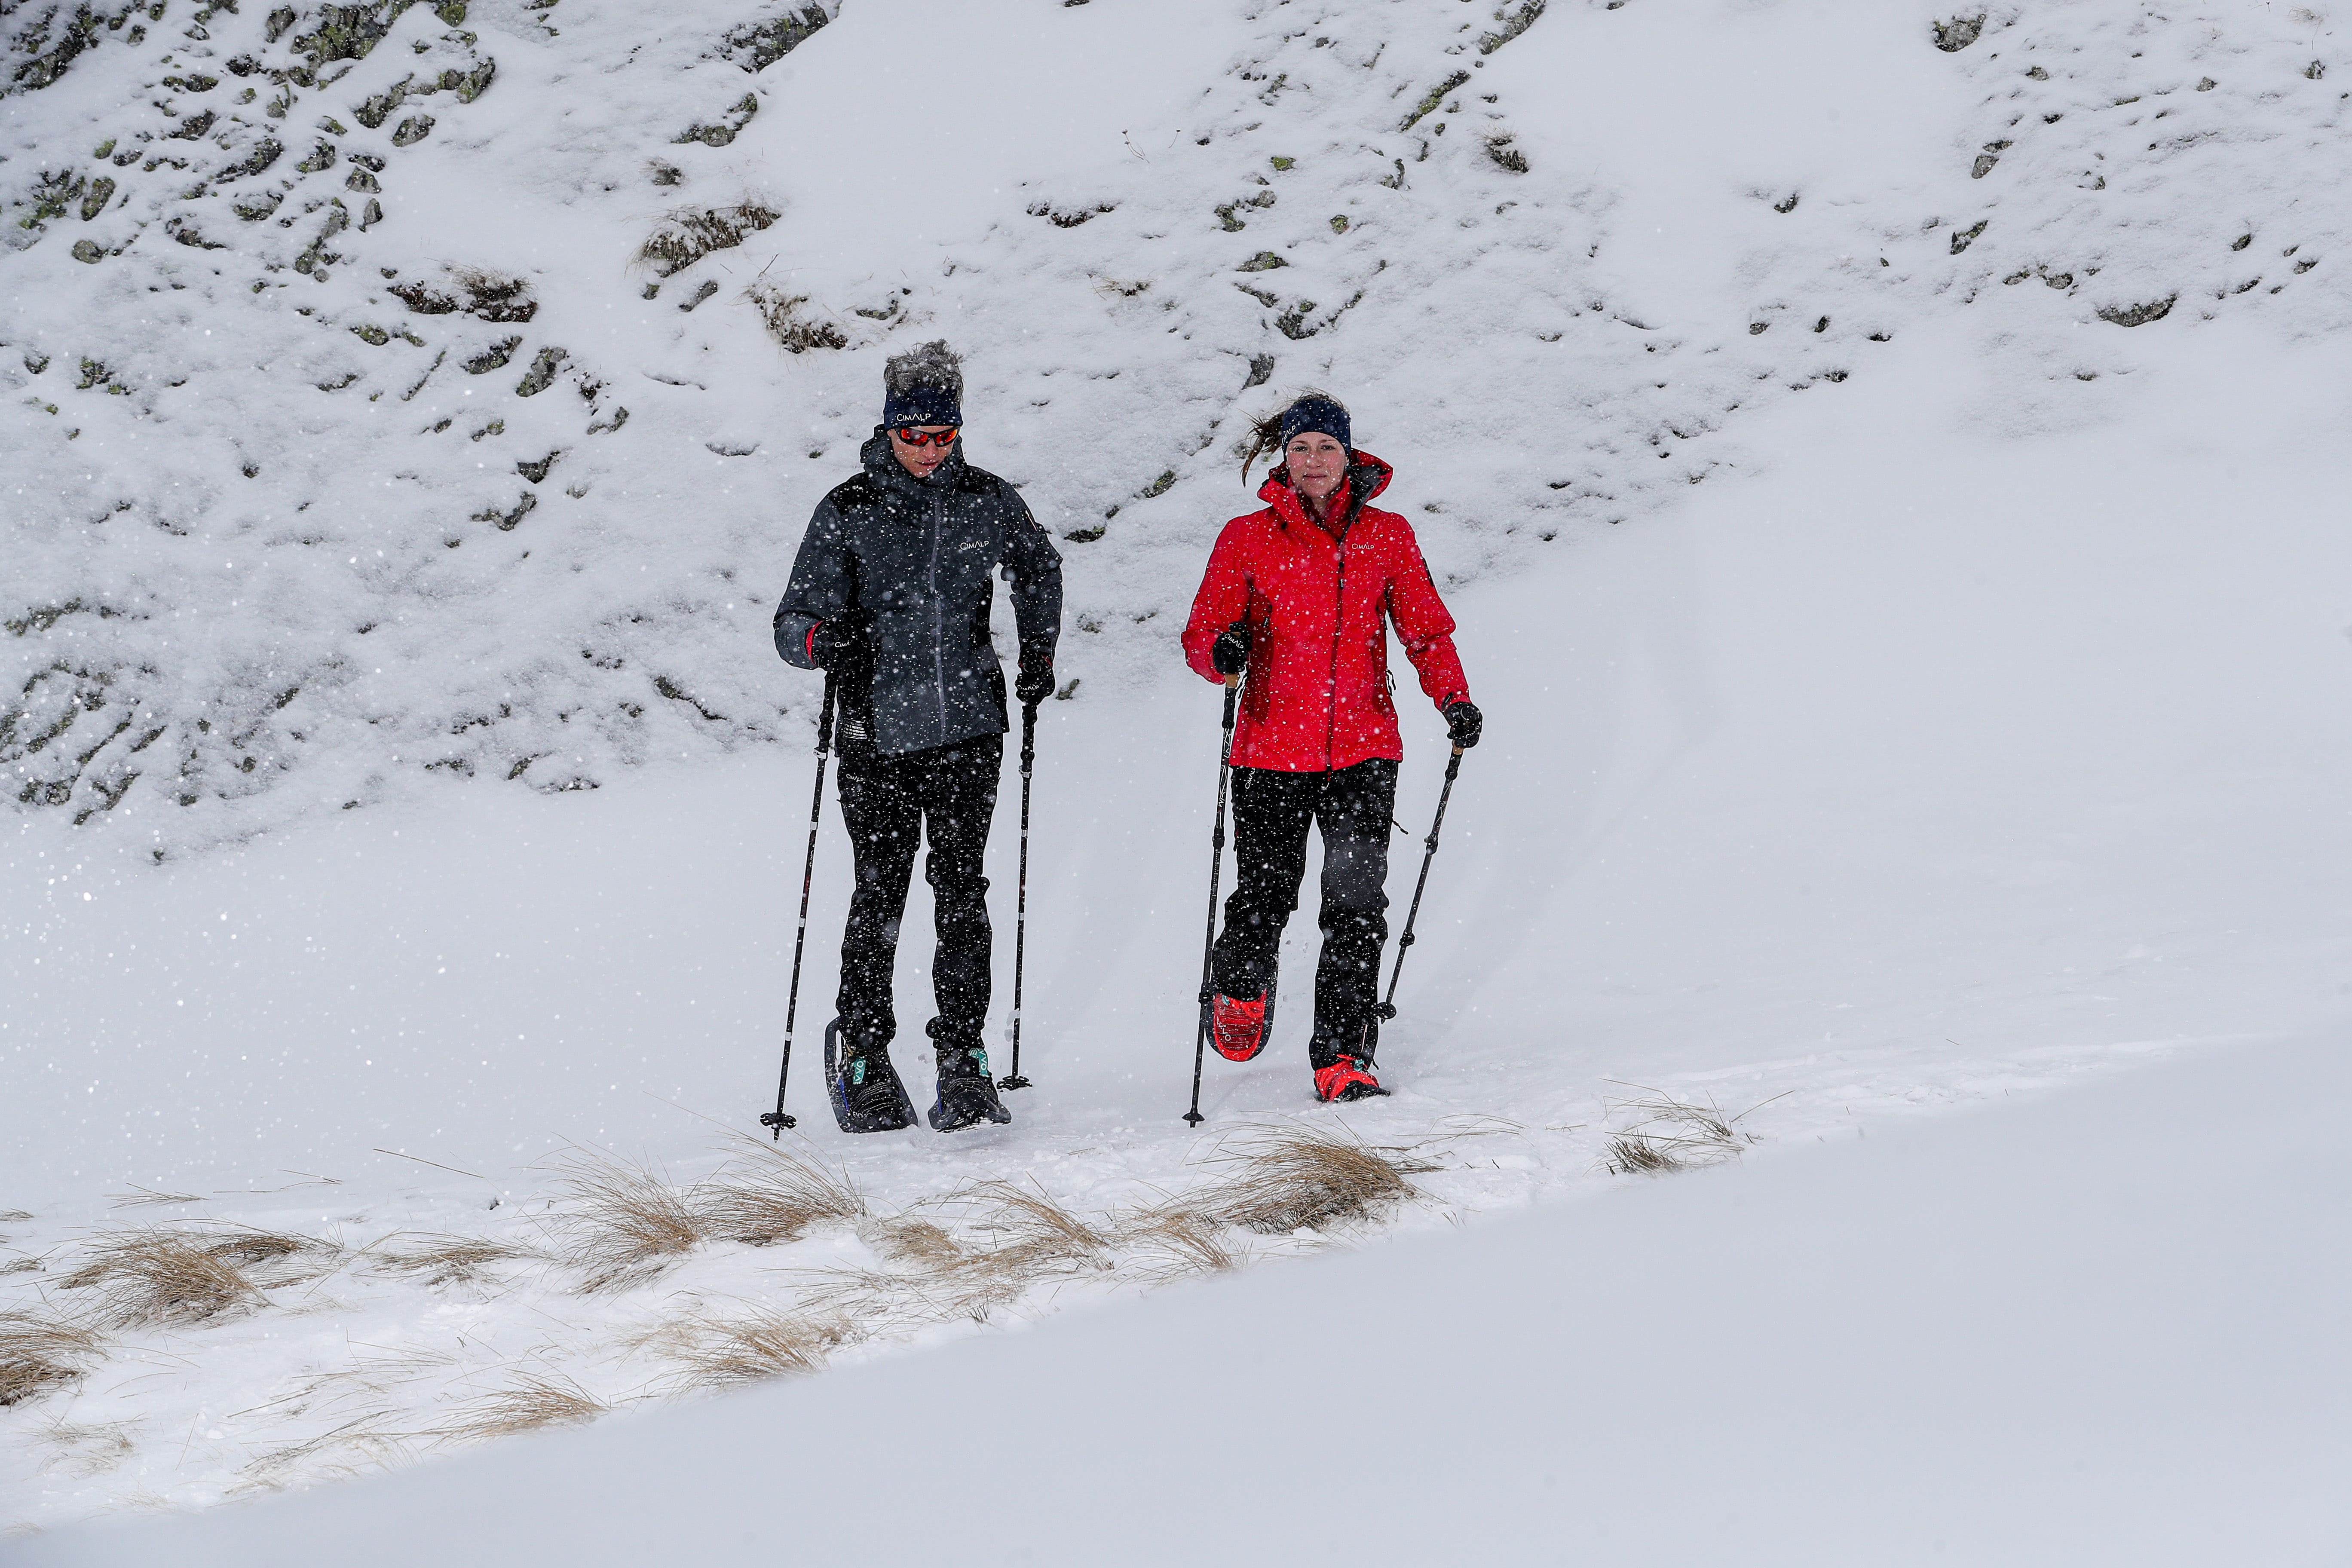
(908, 561)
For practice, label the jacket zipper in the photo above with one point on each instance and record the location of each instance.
(939, 620)
(1339, 622)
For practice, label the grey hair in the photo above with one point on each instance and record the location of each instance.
(927, 365)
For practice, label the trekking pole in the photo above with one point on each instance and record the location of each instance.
(776, 1121)
(1387, 1009)
(1216, 869)
(1021, 905)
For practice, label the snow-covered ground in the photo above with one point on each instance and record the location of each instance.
(2092, 1328)
(1979, 727)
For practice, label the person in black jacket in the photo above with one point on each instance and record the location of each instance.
(890, 597)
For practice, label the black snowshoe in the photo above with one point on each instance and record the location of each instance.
(863, 1088)
(967, 1093)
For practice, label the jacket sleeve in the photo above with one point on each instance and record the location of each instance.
(1424, 626)
(1223, 599)
(823, 587)
(1034, 567)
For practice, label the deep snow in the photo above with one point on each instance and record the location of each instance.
(2100, 1327)
(1978, 726)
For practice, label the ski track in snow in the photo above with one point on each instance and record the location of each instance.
(212, 661)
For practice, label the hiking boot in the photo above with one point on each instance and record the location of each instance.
(1236, 1027)
(1346, 1079)
(864, 1087)
(967, 1094)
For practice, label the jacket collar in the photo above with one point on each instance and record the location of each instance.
(1366, 478)
(882, 466)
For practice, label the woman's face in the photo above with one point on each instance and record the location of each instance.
(1318, 464)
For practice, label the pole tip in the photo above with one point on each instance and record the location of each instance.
(1194, 1118)
(1013, 1081)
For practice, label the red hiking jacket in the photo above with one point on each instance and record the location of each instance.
(1316, 693)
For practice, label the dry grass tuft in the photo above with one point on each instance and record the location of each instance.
(795, 331)
(1670, 1134)
(40, 1355)
(532, 1401)
(1031, 1232)
(13, 1217)
(155, 1277)
(434, 1260)
(905, 1238)
(1028, 1236)
(362, 1443)
(764, 1344)
(1279, 1180)
(139, 1196)
(689, 234)
(271, 1257)
(87, 1450)
(622, 1223)
(769, 1195)
(1176, 1244)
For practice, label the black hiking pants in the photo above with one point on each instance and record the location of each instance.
(887, 803)
(1272, 809)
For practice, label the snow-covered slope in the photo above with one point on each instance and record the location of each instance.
(281, 541)
(1978, 725)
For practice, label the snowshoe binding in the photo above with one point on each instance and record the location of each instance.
(967, 1093)
(1346, 1079)
(1237, 1028)
(864, 1087)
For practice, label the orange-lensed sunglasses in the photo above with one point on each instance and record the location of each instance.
(914, 437)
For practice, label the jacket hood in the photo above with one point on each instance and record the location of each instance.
(1367, 477)
(882, 466)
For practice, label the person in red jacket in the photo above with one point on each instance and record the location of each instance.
(1297, 604)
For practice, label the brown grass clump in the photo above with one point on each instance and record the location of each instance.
(532, 1401)
(271, 1257)
(797, 333)
(1030, 1231)
(1029, 1237)
(764, 1344)
(769, 1195)
(362, 1443)
(87, 1450)
(155, 1277)
(622, 1223)
(689, 234)
(13, 1217)
(434, 1260)
(908, 1239)
(40, 1355)
(1176, 1244)
(139, 1196)
(1670, 1134)
(1279, 1180)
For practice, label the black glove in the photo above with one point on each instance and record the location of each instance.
(1229, 656)
(1036, 682)
(1463, 723)
(836, 645)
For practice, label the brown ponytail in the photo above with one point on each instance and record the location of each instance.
(1264, 432)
